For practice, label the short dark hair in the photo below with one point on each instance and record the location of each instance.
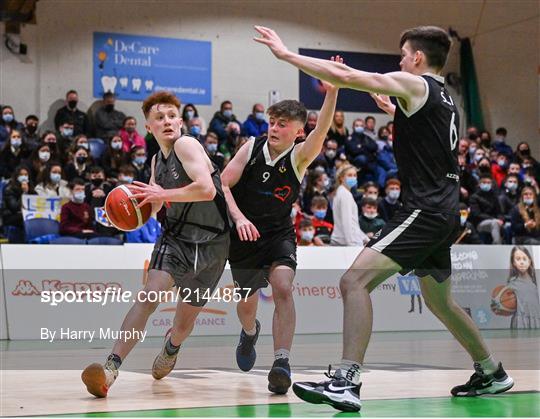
(486, 176)
(29, 117)
(369, 117)
(225, 102)
(368, 201)
(108, 94)
(289, 109)
(306, 222)
(70, 92)
(96, 169)
(75, 182)
(161, 97)
(433, 41)
(463, 206)
(319, 201)
(501, 131)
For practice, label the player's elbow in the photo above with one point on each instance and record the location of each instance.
(209, 192)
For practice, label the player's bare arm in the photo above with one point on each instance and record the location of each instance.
(408, 87)
(230, 177)
(156, 206)
(196, 165)
(307, 151)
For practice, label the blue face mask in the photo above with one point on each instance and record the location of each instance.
(351, 182)
(394, 195)
(307, 236)
(259, 116)
(227, 113)
(502, 163)
(528, 201)
(7, 117)
(55, 177)
(359, 130)
(67, 132)
(195, 130)
(140, 160)
(190, 114)
(116, 145)
(22, 179)
(486, 187)
(212, 147)
(16, 143)
(78, 197)
(319, 214)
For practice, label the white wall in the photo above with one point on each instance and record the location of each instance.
(60, 48)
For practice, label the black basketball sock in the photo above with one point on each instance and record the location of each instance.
(115, 359)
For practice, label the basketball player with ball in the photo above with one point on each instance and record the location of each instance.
(192, 249)
(420, 235)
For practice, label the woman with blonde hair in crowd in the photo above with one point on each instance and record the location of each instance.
(347, 230)
(525, 218)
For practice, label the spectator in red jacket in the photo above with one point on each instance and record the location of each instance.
(500, 169)
(130, 137)
(76, 217)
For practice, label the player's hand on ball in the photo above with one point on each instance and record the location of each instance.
(246, 230)
(272, 41)
(149, 193)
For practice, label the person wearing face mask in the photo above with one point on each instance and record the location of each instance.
(255, 124)
(107, 119)
(347, 230)
(509, 195)
(467, 180)
(525, 218)
(370, 222)
(221, 119)
(51, 184)
(138, 162)
(483, 167)
(30, 134)
(190, 111)
(8, 123)
(327, 158)
(306, 231)
(523, 151)
(323, 228)
(126, 174)
(211, 146)
(12, 154)
(361, 151)
(76, 216)
(19, 184)
(500, 169)
(229, 146)
(194, 129)
(80, 166)
(96, 190)
(486, 211)
(386, 161)
(499, 143)
(130, 136)
(113, 158)
(371, 190)
(65, 136)
(38, 160)
(70, 113)
(390, 203)
(311, 122)
(467, 232)
(318, 184)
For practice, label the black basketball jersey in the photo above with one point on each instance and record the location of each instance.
(194, 222)
(425, 147)
(268, 188)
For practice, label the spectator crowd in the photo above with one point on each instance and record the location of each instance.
(349, 192)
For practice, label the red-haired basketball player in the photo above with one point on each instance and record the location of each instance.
(192, 249)
(420, 234)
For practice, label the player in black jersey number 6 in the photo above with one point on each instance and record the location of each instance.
(420, 234)
(260, 184)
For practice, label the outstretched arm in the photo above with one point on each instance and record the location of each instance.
(399, 84)
(230, 177)
(307, 151)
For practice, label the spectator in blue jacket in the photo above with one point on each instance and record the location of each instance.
(361, 151)
(255, 125)
(499, 143)
(8, 123)
(221, 119)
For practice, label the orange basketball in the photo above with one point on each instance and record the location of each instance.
(122, 210)
(503, 301)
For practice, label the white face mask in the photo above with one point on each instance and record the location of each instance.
(370, 216)
(44, 156)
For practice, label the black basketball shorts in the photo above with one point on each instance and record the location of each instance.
(250, 261)
(419, 241)
(195, 267)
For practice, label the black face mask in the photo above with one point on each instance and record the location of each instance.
(81, 159)
(472, 136)
(486, 142)
(109, 108)
(484, 168)
(72, 104)
(97, 182)
(526, 152)
(31, 128)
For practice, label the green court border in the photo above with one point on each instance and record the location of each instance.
(517, 404)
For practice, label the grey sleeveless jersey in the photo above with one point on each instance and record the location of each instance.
(194, 222)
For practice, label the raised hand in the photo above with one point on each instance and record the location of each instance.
(271, 40)
(384, 103)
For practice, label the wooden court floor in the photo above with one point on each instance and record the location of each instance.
(409, 374)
